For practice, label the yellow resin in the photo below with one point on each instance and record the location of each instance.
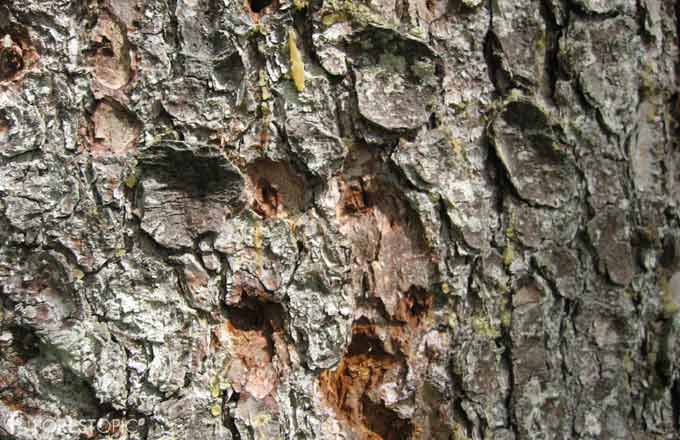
(297, 67)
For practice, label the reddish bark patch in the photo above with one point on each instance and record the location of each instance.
(17, 54)
(390, 255)
(247, 288)
(275, 191)
(4, 128)
(413, 307)
(352, 389)
(129, 12)
(392, 268)
(259, 8)
(354, 197)
(111, 58)
(11, 61)
(115, 131)
(258, 348)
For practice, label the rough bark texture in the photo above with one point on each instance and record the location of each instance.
(334, 219)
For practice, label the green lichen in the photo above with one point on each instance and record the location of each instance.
(216, 410)
(393, 63)
(336, 11)
(628, 364)
(506, 318)
(261, 420)
(648, 83)
(539, 43)
(445, 288)
(418, 32)
(471, 4)
(458, 432)
(259, 29)
(510, 233)
(218, 386)
(510, 229)
(456, 146)
(508, 254)
(668, 306)
(453, 321)
(514, 95)
(264, 86)
(131, 181)
(482, 327)
(425, 71)
(434, 197)
(299, 5)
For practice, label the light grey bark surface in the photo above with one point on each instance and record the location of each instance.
(335, 219)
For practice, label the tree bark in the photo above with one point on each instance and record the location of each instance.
(334, 219)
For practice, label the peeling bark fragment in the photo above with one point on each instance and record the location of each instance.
(31, 196)
(604, 60)
(262, 252)
(329, 48)
(538, 403)
(540, 228)
(115, 131)
(536, 161)
(604, 180)
(183, 99)
(397, 81)
(521, 41)
(202, 289)
(607, 7)
(609, 233)
(22, 128)
(312, 128)
(648, 151)
(388, 98)
(186, 192)
(187, 417)
(562, 266)
(198, 23)
(432, 163)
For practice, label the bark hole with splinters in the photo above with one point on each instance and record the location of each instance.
(17, 54)
(274, 189)
(258, 8)
(258, 347)
(352, 389)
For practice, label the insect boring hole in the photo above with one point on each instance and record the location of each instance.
(258, 6)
